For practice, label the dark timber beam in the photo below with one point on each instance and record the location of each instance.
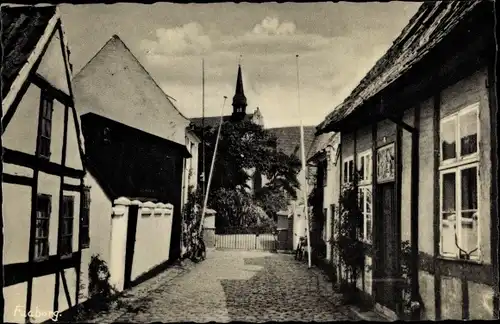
(436, 214)
(402, 124)
(493, 106)
(415, 261)
(375, 223)
(39, 164)
(17, 179)
(59, 95)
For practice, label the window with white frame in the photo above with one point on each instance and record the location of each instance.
(348, 170)
(364, 167)
(459, 183)
(43, 211)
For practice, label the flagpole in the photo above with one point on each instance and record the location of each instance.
(212, 165)
(303, 153)
(203, 123)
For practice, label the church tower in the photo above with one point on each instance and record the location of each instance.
(239, 99)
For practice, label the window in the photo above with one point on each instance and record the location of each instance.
(459, 136)
(311, 175)
(365, 206)
(364, 167)
(85, 219)
(66, 238)
(43, 210)
(348, 170)
(45, 126)
(459, 179)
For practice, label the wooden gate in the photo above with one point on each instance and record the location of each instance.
(246, 239)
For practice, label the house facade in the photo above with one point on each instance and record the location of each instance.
(135, 178)
(132, 98)
(46, 219)
(324, 158)
(420, 129)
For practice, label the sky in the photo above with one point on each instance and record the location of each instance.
(337, 44)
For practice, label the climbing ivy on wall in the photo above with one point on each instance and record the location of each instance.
(191, 214)
(350, 250)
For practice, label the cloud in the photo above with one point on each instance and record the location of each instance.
(330, 67)
(272, 26)
(271, 36)
(188, 39)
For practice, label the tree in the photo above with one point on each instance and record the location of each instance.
(245, 147)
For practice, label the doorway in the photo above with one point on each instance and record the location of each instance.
(130, 247)
(387, 292)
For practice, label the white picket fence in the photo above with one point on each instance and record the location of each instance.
(263, 242)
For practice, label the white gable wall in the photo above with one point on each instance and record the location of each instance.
(21, 132)
(53, 67)
(114, 85)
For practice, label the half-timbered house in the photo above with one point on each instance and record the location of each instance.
(45, 227)
(421, 129)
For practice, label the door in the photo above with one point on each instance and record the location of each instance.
(129, 252)
(387, 256)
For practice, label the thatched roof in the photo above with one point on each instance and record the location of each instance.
(427, 28)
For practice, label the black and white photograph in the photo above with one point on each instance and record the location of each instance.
(249, 162)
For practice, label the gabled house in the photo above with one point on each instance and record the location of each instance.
(45, 213)
(134, 178)
(421, 129)
(115, 85)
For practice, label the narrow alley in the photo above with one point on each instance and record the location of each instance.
(232, 286)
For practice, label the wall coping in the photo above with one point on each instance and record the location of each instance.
(122, 201)
(149, 204)
(136, 203)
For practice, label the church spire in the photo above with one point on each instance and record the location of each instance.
(239, 99)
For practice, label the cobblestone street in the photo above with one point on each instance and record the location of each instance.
(230, 286)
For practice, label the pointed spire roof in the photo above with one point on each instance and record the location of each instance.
(239, 99)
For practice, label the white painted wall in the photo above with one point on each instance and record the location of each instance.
(152, 241)
(100, 231)
(118, 245)
(53, 67)
(21, 133)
